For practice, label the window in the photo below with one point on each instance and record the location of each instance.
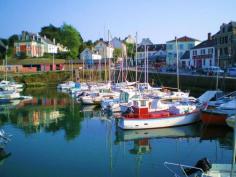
(210, 63)
(221, 52)
(194, 52)
(226, 51)
(143, 103)
(181, 46)
(190, 46)
(226, 39)
(210, 51)
(170, 47)
(203, 52)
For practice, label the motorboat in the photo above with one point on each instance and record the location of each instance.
(219, 114)
(181, 113)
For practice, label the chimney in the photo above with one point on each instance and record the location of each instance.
(209, 37)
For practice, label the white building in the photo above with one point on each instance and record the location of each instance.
(89, 56)
(203, 55)
(118, 44)
(61, 48)
(49, 46)
(104, 49)
(184, 43)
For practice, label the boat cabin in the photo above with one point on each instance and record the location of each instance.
(141, 106)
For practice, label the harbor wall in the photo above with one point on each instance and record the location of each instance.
(195, 83)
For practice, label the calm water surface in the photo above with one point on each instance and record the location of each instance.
(54, 136)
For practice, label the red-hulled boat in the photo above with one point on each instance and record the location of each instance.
(179, 114)
(219, 115)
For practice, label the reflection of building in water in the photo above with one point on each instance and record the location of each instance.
(45, 102)
(40, 112)
(39, 118)
(141, 146)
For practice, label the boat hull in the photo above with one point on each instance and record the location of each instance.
(160, 122)
(216, 118)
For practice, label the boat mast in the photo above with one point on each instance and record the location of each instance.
(177, 62)
(6, 61)
(83, 68)
(218, 63)
(109, 60)
(147, 65)
(136, 57)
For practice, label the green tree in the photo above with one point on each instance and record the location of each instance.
(130, 50)
(12, 39)
(3, 43)
(117, 53)
(71, 38)
(51, 32)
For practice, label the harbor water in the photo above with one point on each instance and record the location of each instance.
(53, 135)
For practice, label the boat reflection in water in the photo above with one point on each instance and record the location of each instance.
(141, 138)
(3, 155)
(173, 132)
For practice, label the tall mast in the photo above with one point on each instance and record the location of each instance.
(6, 61)
(109, 60)
(144, 63)
(83, 68)
(147, 65)
(177, 62)
(136, 57)
(218, 63)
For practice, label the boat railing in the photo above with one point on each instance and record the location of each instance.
(168, 165)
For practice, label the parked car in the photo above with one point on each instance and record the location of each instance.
(213, 70)
(231, 71)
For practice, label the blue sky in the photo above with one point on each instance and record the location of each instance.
(160, 20)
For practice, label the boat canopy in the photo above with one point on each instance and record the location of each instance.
(208, 95)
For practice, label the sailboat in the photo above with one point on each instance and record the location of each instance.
(179, 113)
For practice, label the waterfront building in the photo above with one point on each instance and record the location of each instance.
(156, 53)
(203, 54)
(118, 44)
(29, 44)
(49, 46)
(104, 49)
(185, 60)
(89, 56)
(129, 40)
(33, 45)
(61, 48)
(226, 44)
(184, 43)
